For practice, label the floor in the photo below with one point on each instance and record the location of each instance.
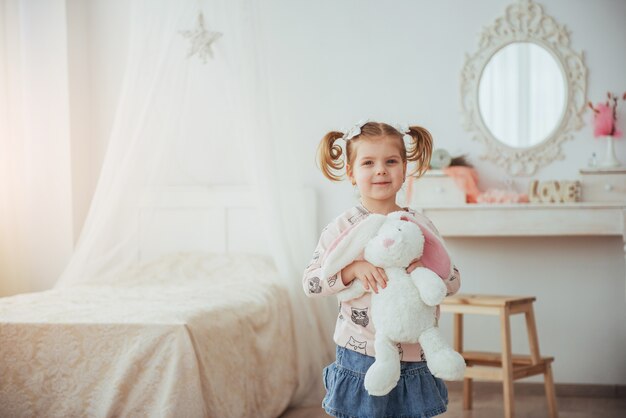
(489, 405)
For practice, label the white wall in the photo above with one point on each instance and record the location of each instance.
(44, 152)
(334, 63)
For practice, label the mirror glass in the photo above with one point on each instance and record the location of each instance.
(522, 94)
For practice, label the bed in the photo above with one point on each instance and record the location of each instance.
(184, 334)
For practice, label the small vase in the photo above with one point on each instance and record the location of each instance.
(610, 160)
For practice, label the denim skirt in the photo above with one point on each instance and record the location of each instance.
(418, 393)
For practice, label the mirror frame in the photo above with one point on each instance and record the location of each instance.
(524, 21)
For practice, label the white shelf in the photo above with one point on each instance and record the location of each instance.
(529, 219)
(605, 170)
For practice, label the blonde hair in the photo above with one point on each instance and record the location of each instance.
(331, 160)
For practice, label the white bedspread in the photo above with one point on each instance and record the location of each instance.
(189, 336)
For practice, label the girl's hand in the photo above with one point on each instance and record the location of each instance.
(369, 275)
(414, 264)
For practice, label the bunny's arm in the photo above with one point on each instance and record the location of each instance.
(432, 289)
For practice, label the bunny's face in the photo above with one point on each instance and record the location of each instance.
(397, 243)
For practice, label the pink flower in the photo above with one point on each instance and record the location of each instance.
(604, 122)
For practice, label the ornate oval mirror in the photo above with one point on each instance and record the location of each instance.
(523, 91)
(521, 94)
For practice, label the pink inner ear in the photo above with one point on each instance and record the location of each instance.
(435, 256)
(404, 218)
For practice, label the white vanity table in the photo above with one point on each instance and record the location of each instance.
(594, 217)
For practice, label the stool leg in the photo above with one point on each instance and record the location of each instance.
(458, 346)
(507, 363)
(550, 392)
(467, 393)
(533, 343)
(533, 340)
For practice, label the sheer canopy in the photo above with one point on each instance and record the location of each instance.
(181, 121)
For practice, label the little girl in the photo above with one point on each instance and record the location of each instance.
(376, 162)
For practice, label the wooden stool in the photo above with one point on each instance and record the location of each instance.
(509, 367)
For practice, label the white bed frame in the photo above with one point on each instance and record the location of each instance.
(216, 219)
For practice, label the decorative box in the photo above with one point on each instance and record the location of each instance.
(434, 188)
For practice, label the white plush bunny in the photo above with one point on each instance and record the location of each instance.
(404, 311)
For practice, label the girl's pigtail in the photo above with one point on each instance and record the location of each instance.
(420, 150)
(330, 156)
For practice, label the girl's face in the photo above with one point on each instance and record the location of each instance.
(378, 169)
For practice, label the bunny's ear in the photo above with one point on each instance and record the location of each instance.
(435, 256)
(350, 244)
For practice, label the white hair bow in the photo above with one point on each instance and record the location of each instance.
(404, 129)
(355, 130)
